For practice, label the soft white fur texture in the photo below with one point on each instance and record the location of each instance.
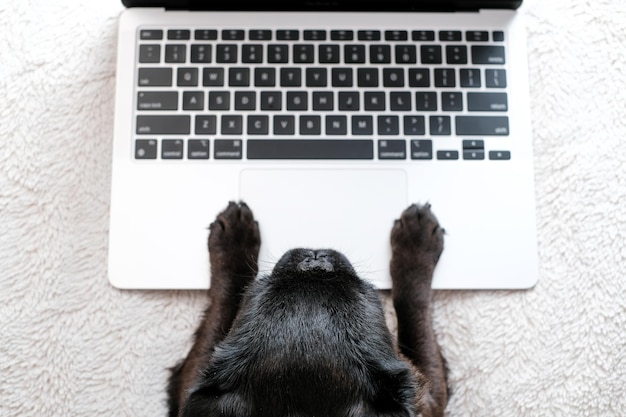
(71, 345)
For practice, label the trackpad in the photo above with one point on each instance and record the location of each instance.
(349, 210)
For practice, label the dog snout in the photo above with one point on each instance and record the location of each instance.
(318, 259)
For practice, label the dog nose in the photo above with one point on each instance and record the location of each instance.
(319, 259)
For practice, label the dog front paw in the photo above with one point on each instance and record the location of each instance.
(416, 241)
(234, 242)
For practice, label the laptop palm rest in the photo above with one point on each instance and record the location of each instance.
(349, 210)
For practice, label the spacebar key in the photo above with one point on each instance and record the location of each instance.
(310, 149)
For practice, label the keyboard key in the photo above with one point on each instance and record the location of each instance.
(498, 36)
(259, 35)
(470, 78)
(264, 77)
(448, 155)
(354, 54)
(193, 100)
(206, 125)
(290, 77)
(297, 100)
(228, 149)
(232, 125)
(284, 125)
(163, 125)
(172, 149)
(336, 125)
(423, 35)
(341, 77)
(310, 125)
(205, 34)
(495, 78)
(251, 54)
(329, 54)
(419, 77)
(369, 35)
(393, 77)
(314, 35)
(187, 77)
(277, 54)
(219, 100)
(426, 101)
(178, 34)
(421, 149)
(239, 77)
(145, 149)
(473, 144)
(271, 100)
(388, 125)
(450, 35)
(414, 125)
(440, 126)
(445, 77)
(487, 102)
(380, 54)
(151, 34)
(287, 35)
(348, 101)
(477, 36)
(303, 54)
(316, 77)
(149, 54)
(158, 100)
(323, 100)
(400, 100)
(213, 77)
(474, 154)
(431, 54)
(362, 125)
(456, 54)
(175, 53)
(406, 54)
(396, 35)
(245, 100)
(226, 54)
(374, 101)
(392, 149)
(341, 35)
(310, 149)
(493, 55)
(201, 54)
(500, 155)
(198, 149)
(233, 35)
(258, 125)
(482, 125)
(367, 77)
(452, 101)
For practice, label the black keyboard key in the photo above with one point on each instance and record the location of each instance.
(163, 125)
(213, 77)
(205, 34)
(388, 125)
(498, 36)
(354, 54)
(175, 54)
(232, 125)
(198, 149)
(252, 54)
(426, 101)
(495, 78)
(393, 77)
(265, 77)
(473, 144)
(477, 36)
(290, 77)
(362, 125)
(380, 54)
(149, 54)
(452, 101)
(400, 100)
(287, 35)
(440, 126)
(487, 102)
(470, 78)
(310, 149)
(303, 54)
(172, 149)
(323, 100)
(219, 100)
(473, 154)
(297, 100)
(374, 101)
(368, 35)
(414, 125)
(193, 100)
(391, 149)
(151, 34)
(233, 35)
(314, 35)
(310, 125)
(316, 77)
(421, 149)
(239, 77)
(336, 125)
(201, 54)
(228, 149)
(490, 55)
(329, 54)
(260, 34)
(158, 100)
(348, 101)
(178, 34)
(226, 54)
(258, 125)
(341, 35)
(448, 155)
(500, 155)
(482, 125)
(245, 100)
(367, 77)
(406, 54)
(423, 35)
(277, 54)
(450, 35)
(445, 77)
(284, 125)
(187, 77)
(206, 125)
(431, 54)
(341, 77)
(396, 35)
(419, 77)
(456, 54)
(271, 100)
(145, 149)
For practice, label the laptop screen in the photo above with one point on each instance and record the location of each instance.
(339, 5)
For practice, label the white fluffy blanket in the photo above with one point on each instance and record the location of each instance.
(71, 345)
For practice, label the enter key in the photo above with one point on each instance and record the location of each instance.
(487, 102)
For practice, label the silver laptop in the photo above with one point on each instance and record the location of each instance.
(328, 119)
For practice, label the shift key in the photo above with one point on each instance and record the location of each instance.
(163, 125)
(482, 125)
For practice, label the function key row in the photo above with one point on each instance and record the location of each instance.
(322, 35)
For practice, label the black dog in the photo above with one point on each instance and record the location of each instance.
(311, 339)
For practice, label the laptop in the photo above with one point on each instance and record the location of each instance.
(328, 119)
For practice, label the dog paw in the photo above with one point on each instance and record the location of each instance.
(234, 241)
(416, 238)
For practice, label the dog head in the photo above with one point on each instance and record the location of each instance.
(309, 340)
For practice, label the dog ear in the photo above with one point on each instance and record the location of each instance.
(210, 402)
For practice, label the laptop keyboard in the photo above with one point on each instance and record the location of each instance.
(207, 94)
